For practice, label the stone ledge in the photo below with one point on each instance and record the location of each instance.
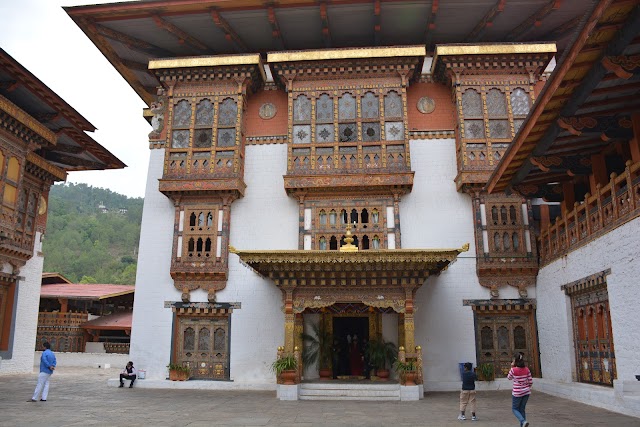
(195, 385)
(609, 398)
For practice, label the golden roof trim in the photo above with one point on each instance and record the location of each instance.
(492, 49)
(355, 53)
(206, 61)
(46, 166)
(323, 256)
(26, 119)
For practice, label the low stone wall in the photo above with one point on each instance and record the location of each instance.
(87, 360)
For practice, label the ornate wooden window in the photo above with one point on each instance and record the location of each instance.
(490, 117)
(367, 219)
(204, 137)
(203, 344)
(593, 335)
(499, 336)
(201, 236)
(345, 130)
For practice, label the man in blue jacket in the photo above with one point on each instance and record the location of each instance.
(47, 366)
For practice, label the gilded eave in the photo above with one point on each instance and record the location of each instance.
(327, 258)
(209, 61)
(492, 49)
(355, 53)
(28, 121)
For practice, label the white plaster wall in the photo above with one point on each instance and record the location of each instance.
(265, 218)
(85, 360)
(151, 328)
(617, 250)
(26, 314)
(435, 215)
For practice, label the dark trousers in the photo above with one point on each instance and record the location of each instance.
(127, 377)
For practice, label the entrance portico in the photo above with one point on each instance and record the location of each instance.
(380, 279)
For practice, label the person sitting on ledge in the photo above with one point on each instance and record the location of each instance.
(128, 373)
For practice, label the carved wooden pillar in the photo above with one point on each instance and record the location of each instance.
(289, 322)
(396, 213)
(409, 327)
(544, 217)
(64, 305)
(400, 329)
(569, 196)
(634, 143)
(298, 329)
(599, 175)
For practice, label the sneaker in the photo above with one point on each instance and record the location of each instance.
(474, 418)
(121, 385)
(31, 400)
(462, 417)
(525, 424)
(130, 385)
(43, 400)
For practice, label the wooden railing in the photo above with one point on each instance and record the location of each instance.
(612, 205)
(117, 347)
(61, 319)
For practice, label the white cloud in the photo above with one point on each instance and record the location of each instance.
(40, 35)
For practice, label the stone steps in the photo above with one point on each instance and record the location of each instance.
(345, 391)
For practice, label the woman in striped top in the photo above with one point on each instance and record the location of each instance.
(522, 381)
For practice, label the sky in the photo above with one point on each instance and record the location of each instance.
(41, 36)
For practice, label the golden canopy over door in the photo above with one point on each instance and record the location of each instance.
(202, 343)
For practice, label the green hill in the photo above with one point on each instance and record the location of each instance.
(92, 234)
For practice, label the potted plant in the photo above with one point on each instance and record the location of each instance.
(318, 349)
(286, 368)
(486, 372)
(406, 371)
(178, 372)
(381, 354)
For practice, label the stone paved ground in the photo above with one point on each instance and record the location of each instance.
(80, 397)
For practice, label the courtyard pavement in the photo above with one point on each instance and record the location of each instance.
(80, 397)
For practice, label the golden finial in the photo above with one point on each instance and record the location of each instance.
(465, 247)
(348, 239)
(418, 348)
(401, 348)
(233, 250)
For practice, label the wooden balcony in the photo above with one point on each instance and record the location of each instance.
(613, 205)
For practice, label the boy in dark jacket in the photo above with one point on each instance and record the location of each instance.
(468, 393)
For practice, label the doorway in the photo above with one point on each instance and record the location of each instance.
(350, 335)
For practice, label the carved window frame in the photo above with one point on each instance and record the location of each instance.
(213, 159)
(210, 231)
(487, 150)
(328, 155)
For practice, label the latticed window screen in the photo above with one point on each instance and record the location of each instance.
(520, 106)
(227, 117)
(181, 119)
(228, 113)
(302, 109)
(204, 123)
(346, 107)
(324, 109)
(370, 106)
(392, 105)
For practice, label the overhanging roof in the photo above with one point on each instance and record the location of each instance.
(132, 33)
(554, 143)
(111, 322)
(79, 291)
(68, 146)
(383, 267)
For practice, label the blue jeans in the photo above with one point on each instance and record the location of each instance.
(517, 406)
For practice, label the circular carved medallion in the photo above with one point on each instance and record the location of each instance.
(267, 111)
(43, 206)
(426, 105)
